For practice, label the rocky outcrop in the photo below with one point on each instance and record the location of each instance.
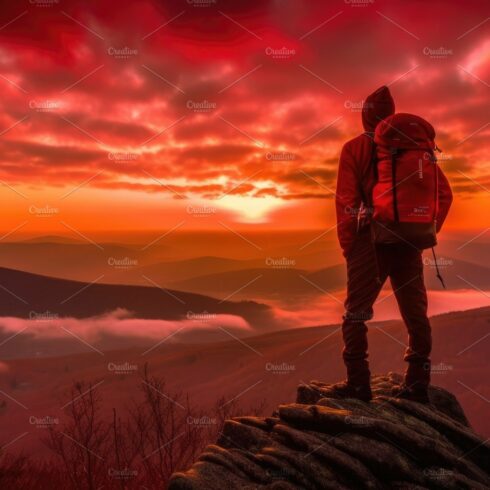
(324, 443)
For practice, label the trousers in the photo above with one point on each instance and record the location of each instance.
(368, 267)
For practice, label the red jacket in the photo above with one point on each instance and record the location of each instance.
(356, 179)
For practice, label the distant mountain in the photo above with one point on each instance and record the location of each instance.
(180, 270)
(51, 239)
(467, 249)
(127, 264)
(306, 272)
(69, 260)
(457, 273)
(280, 282)
(22, 293)
(267, 282)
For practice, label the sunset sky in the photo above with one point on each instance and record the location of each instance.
(145, 115)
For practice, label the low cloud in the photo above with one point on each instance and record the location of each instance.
(118, 323)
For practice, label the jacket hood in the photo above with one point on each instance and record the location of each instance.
(376, 107)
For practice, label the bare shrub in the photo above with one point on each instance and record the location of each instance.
(159, 434)
(83, 443)
(161, 430)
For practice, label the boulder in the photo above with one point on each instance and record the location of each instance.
(322, 442)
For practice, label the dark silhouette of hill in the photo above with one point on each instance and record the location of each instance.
(267, 282)
(51, 239)
(173, 271)
(212, 266)
(321, 442)
(64, 259)
(467, 248)
(277, 282)
(462, 265)
(457, 273)
(126, 264)
(22, 294)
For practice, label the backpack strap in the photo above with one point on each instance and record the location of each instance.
(373, 164)
(394, 152)
(374, 160)
(438, 273)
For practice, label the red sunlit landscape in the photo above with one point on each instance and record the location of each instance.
(168, 173)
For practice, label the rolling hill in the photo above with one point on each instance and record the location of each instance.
(23, 294)
(250, 370)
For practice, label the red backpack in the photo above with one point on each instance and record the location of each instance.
(405, 197)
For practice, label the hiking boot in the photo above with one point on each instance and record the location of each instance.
(346, 390)
(419, 395)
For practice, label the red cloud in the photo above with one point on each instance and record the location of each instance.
(213, 93)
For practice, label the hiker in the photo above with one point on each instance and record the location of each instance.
(366, 197)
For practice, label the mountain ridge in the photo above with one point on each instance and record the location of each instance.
(23, 293)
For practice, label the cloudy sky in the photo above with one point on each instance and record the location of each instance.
(153, 114)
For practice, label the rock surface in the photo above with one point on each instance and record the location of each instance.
(325, 443)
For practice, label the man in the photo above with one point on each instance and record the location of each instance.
(369, 265)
